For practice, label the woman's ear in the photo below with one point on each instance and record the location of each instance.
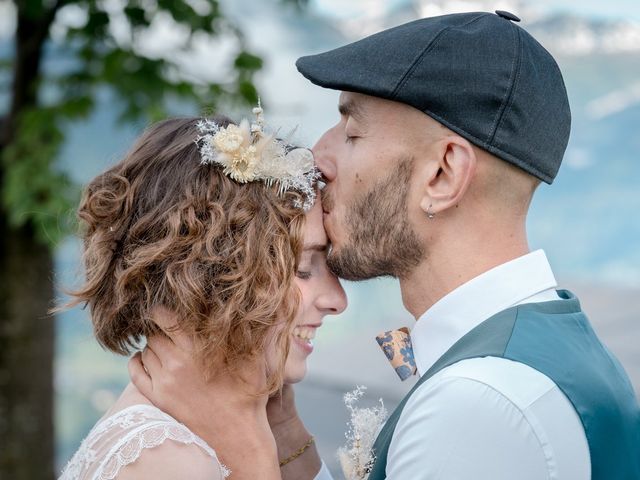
(166, 320)
(450, 172)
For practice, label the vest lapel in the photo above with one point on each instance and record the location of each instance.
(490, 338)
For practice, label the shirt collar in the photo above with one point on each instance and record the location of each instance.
(523, 280)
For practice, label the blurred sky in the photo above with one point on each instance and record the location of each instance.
(616, 9)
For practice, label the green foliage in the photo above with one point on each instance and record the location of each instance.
(248, 62)
(246, 65)
(33, 191)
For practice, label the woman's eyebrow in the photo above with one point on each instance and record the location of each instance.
(317, 247)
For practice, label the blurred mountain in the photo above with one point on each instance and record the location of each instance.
(574, 35)
(587, 221)
(566, 34)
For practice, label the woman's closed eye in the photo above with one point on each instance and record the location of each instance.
(303, 274)
(313, 261)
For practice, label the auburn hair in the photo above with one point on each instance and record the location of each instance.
(162, 229)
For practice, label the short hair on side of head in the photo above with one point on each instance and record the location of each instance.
(161, 229)
(506, 183)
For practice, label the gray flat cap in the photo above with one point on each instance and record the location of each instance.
(477, 73)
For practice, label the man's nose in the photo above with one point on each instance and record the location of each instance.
(324, 155)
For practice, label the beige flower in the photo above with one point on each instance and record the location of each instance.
(243, 165)
(229, 139)
(246, 154)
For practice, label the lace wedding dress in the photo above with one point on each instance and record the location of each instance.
(120, 439)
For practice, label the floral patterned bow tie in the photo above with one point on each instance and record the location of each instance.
(396, 345)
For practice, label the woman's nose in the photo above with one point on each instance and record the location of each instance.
(334, 299)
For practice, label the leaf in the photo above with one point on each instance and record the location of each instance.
(78, 107)
(97, 23)
(248, 92)
(248, 61)
(182, 12)
(137, 16)
(35, 192)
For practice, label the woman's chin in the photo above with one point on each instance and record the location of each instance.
(294, 375)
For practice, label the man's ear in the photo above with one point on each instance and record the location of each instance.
(451, 169)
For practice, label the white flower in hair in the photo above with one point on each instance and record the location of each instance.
(357, 457)
(248, 154)
(229, 139)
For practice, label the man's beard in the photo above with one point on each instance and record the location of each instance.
(380, 239)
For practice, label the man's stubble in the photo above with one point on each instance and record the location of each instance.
(380, 240)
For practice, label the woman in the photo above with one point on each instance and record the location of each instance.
(208, 228)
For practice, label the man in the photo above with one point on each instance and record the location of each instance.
(448, 125)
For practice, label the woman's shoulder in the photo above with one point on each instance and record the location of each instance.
(170, 460)
(156, 444)
(141, 441)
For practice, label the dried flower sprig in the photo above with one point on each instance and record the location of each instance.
(247, 154)
(357, 456)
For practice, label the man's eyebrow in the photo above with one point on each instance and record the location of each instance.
(351, 108)
(316, 247)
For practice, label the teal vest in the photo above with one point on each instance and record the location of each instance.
(556, 339)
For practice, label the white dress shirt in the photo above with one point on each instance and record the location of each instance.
(486, 418)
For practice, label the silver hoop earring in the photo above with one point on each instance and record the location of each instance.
(430, 214)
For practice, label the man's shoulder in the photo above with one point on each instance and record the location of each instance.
(517, 382)
(498, 391)
(494, 408)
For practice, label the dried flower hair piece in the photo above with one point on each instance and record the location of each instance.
(357, 456)
(248, 154)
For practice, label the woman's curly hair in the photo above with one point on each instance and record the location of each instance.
(161, 229)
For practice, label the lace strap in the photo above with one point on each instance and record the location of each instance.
(124, 419)
(150, 435)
